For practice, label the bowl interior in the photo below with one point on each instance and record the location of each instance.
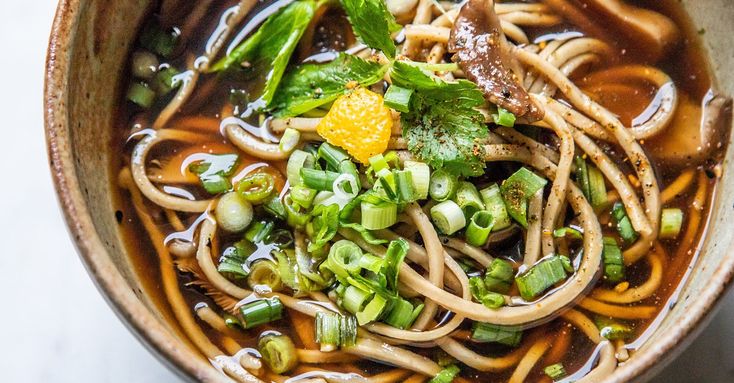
(89, 46)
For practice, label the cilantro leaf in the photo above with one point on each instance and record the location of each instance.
(312, 85)
(372, 23)
(269, 50)
(443, 127)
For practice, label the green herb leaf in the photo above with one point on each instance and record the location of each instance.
(213, 171)
(311, 85)
(443, 128)
(269, 50)
(372, 23)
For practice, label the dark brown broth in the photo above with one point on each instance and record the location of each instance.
(688, 69)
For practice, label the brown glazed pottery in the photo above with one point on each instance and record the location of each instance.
(89, 45)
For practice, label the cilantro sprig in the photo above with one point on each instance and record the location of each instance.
(443, 126)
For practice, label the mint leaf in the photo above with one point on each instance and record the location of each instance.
(268, 51)
(372, 23)
(312, 85)
(443, 128)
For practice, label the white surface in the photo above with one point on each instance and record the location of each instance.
(54, 325)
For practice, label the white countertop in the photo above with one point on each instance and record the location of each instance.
(54, 325)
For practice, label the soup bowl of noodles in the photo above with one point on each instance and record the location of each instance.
(399, 190)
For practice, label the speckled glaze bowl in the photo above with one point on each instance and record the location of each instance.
(89, 45)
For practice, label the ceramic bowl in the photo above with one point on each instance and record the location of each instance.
(89, 44)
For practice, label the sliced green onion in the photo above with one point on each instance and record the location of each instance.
(344, 258)
(567, 265)
(288, 268)
(213, 171)
(624, 225)
(290, 139)
(278, 352)
(378, 217)
(275, 207)
(555, 371)
(332, 155)
(297, 161)
(338, 160)
(504, 118)
(144, 64)
(480, 225)
(372, 311)
(281, 237)
(403, 314)
(671, 221)
(448, 217)
(261, 311)
(398, 98)
(259, 231)
(378, 163)
(404, 186)
(468, 199)
(319, 179)
(489, 333)
(346, 186)
(232, 264)
(487, 298)
(443, 185)
(355, 299)
(140, 94)
(322, 197)
(495, 205)
(499, 276)
(371, 263)
(421, 176)
(324, 227)
(443, 359)
(233, 213)
(591, 181)
(167, 80)
(568, 232)
(303, 196)
(257, 187)
(446, 375)
(155, 39)
(231, 321)
(541, 277)
(597, 187)
(517, 190)
(265, 273)
(612, 329)
(295, 215)
(334, 330)
(613, 260)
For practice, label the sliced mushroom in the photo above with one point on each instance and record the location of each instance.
(482, 52)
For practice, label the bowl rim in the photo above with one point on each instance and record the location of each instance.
(119, 296)
(157, 339)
